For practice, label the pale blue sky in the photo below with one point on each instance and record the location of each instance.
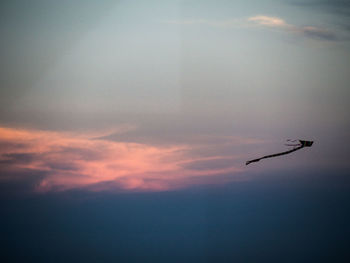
(179, 68)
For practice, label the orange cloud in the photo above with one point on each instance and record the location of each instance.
(71, 160)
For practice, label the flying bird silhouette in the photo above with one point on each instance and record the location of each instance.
(297, 146)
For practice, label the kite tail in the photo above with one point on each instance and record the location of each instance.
(252, 161)
(275, 155)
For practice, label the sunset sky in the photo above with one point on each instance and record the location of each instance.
(131, 105)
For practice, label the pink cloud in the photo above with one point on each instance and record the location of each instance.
(71, 160)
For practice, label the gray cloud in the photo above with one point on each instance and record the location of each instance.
(81, 153)
(340, 9)
(318, 33)
(17, 158)
(64, 166)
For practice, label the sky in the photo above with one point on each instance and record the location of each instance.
(140, 115)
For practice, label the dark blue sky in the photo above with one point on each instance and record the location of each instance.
(277, 218)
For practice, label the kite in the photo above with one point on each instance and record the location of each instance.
(297, 146)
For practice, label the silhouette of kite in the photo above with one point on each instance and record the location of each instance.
(297, 146)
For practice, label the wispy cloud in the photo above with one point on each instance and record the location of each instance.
(339, 9)
(279, 23)
(314, 32)
(268, 21)
(318, 33)
(70, 161)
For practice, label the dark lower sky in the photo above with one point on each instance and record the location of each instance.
(277, 218)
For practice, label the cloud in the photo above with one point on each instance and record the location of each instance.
(317, 33)
(307, 31)
(339, 9)
(268, 21)
(66, 161)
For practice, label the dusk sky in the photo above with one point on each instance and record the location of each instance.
(125, 127)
